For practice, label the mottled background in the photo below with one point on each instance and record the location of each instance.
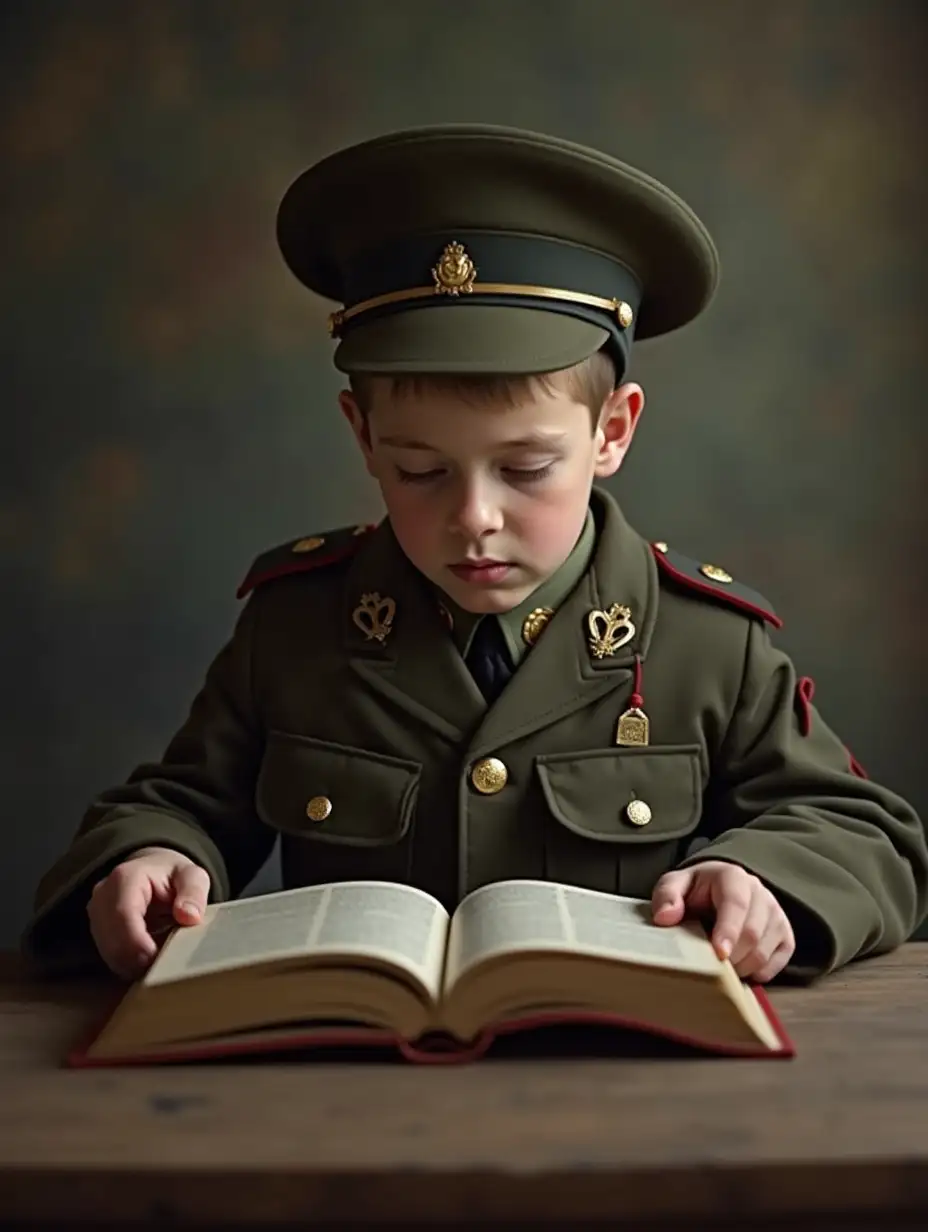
(168, 401)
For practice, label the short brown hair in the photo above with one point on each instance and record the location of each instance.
(589, 382)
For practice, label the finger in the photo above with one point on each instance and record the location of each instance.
(124, 923)
(123, 957)
(755, 960)
(732, 892)
(759, 937)
(777, 961)
(191, 892)
(117, 911)
(668, 899)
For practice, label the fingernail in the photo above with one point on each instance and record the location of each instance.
(189, 907)
(723, 948)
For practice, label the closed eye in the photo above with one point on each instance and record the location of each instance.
(417, 476)
(513, 473)
(530, 476)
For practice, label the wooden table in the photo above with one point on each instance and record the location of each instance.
(837, 1138)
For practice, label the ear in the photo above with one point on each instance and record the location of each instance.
(617, 422)
(359, 426)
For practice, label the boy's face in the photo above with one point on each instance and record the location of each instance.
(488, 499)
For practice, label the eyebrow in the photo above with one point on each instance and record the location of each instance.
(532, 440)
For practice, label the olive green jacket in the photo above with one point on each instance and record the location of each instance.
(341, 718)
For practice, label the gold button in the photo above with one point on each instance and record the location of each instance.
(715, 573)
(318, 808)
(638, 813)
(660, 546)
(308, 545)
(489, 776)
(624, 313)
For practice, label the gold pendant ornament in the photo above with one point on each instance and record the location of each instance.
(633, 728)
(609, 630)
(534, 624)
(374, 617)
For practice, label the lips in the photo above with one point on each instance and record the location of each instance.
(488, 572)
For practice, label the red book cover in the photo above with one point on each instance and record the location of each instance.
(430, 1050)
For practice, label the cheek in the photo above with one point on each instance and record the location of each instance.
(551, 521)
(413, 516)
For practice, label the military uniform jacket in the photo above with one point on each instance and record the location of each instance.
(341, 718)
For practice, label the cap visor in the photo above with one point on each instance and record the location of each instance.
(469, 339)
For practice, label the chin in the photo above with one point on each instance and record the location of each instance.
(485, 602)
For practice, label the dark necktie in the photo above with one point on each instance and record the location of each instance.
(488, 658)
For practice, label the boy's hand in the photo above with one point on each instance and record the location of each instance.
(750, 926)
(140, 900)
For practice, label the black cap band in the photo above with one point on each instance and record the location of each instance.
(482, 267)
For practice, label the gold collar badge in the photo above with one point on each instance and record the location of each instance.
(609, 630)
(374, 616)
(535, 623)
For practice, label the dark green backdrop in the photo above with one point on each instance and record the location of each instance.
(168, 402)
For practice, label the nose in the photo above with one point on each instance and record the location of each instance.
(476, 511)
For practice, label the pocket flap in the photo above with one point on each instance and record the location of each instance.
(334, 793)
(590, 793)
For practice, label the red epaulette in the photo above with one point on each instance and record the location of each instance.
(714, 583)
(302, 555)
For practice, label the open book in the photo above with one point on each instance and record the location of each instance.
(372, 962)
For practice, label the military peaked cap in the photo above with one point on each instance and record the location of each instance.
(480, 249)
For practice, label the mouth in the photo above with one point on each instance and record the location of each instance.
(483, 570)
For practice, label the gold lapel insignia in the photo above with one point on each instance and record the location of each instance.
(534, 624)
(609, 630)
(374, 616)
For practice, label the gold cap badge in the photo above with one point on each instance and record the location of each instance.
(455, 272)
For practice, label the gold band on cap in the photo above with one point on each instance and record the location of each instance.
(455, 274)
(622, 310)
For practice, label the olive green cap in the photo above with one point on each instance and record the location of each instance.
(481, 249)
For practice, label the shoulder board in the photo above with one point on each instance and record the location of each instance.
(302, 555)
(714, 582)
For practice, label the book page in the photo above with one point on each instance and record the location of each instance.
(394, 923)
(541, 916)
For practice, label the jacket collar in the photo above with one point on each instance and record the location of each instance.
(398, 640)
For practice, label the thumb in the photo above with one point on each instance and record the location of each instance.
(669, 895)
(191, 891)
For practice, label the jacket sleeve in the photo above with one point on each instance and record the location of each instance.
(198, 799)
(845, 857)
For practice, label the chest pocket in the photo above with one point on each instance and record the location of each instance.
(352, 810)
(615, 818)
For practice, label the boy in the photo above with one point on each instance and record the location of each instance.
(502, 679)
